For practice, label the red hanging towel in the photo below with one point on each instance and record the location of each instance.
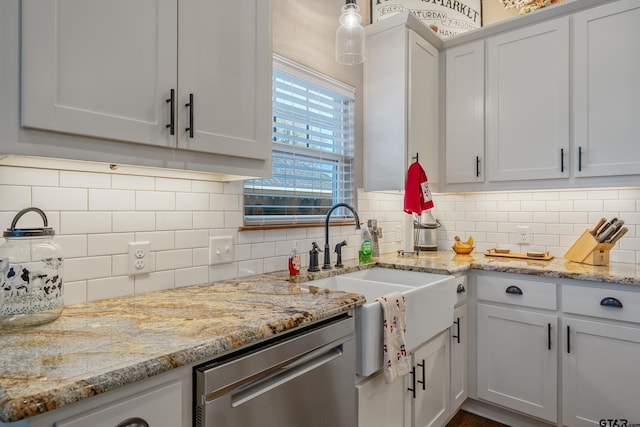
(417, 196)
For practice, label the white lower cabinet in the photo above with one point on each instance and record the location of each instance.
(517, 360)
(600, 356)
(459, 348)
(429, 387)
(381, 404)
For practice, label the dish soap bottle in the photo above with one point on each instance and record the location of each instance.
(294, 261)
(364, 254)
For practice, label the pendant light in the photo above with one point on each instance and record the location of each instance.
(350, 35)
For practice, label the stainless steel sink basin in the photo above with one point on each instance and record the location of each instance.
(429, 300)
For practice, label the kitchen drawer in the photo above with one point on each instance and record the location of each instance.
(510, 289)
(600, 302)
(159, 407)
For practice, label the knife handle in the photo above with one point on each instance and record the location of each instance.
(613, 240)
(598, 225)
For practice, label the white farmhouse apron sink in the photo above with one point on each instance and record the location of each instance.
(429, 300)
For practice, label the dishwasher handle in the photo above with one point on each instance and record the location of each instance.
(263, 382)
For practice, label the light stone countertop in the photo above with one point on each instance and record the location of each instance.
(104, 345)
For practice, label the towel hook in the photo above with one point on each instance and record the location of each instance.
(416, 157)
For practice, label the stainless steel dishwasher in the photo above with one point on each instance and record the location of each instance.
(303, 378)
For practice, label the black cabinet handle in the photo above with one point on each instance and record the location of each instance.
(191, 107)
(568, 339)
(579, 159)
(133, 422)
(549, 336)
(461, 289)
(477, 166)
(457, 336)
(413, 381)
(172, 112)
(611, 302)
(514, 290)
(562, 160)
(423, 382)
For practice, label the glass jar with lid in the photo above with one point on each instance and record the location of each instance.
(31, 274)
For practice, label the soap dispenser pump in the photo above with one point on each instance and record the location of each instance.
(313, 257)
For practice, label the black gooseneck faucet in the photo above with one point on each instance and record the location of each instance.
(327, 251)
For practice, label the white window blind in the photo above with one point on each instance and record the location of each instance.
(312, 150)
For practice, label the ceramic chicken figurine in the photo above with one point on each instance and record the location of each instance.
(461, 247)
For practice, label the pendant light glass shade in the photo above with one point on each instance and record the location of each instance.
(350, 35)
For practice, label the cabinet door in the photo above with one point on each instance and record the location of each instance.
(430, 407)
(380, 404)
(465, 114)
(100, 68)
(528, 102)
(423, 108)
(517, 360)
(606, 90)
(401, 108)
(600, 373)
(459, 372)
(225, 62)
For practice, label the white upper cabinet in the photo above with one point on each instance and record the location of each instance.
(401, 105)
(528, 102)
(606, 90)
(193, 76)
(224, 60)
(99, 68)
(464, 146)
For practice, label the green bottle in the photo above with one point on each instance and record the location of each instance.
(364, 254)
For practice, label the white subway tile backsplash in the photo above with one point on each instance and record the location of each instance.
(155, 201)
(170, 260)
(10, 175)
(192, 239)
(174, 220)
(173, 184)
(84, 179)
(112, 200)
(72, 245)
(16, 198)
(110, 287)
(132, 182)
(109, 244)
(191, 276)
(85, 222)
(192, 201)
(126, 221)
(95, 215)
(87, 268)
(59, 198)
(155, 281)
(160, 240)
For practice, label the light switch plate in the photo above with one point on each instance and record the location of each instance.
(220, 250)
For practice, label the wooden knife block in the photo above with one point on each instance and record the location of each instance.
(588, 250)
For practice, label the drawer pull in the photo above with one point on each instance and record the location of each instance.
(424, 381)
(413, 382)
(457, 336)
(133, 422)
(461, 289)
(568, 339)
(611, 302)
(549, 336)
(514, 290)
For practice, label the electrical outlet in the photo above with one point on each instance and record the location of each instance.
(524, 235)
(139, 257)
(220, 250)
(398, 233)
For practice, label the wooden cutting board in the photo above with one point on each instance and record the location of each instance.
(543, 256)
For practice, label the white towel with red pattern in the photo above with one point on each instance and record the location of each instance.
(396, 359)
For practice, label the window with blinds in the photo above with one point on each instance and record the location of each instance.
(312, 150)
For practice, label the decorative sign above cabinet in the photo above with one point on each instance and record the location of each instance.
(446, 17)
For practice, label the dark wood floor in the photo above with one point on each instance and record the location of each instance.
(467, 419)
